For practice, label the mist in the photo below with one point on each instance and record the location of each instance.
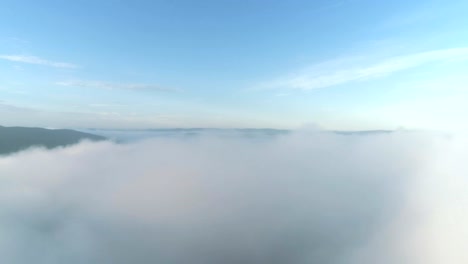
(299, 198)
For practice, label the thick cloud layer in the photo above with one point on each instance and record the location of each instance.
(294, 199)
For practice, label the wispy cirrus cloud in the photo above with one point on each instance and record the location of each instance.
(38, 61)
(334, 73)
(115, 85)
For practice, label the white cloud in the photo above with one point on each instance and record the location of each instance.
(303, 198)
(112, 86)
(38, 61)
(334, 73)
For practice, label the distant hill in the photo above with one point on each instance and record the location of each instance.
(13, 139)
(132, 135)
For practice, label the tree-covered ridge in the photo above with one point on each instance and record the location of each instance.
(13, 139)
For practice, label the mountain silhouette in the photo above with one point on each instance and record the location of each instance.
(13, 139)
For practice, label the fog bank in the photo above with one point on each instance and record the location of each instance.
(294, 199)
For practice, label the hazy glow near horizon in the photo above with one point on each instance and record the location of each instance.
(354, 64)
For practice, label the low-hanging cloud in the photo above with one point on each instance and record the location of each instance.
(300, 198)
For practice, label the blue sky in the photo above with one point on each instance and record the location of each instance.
(349, 65)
